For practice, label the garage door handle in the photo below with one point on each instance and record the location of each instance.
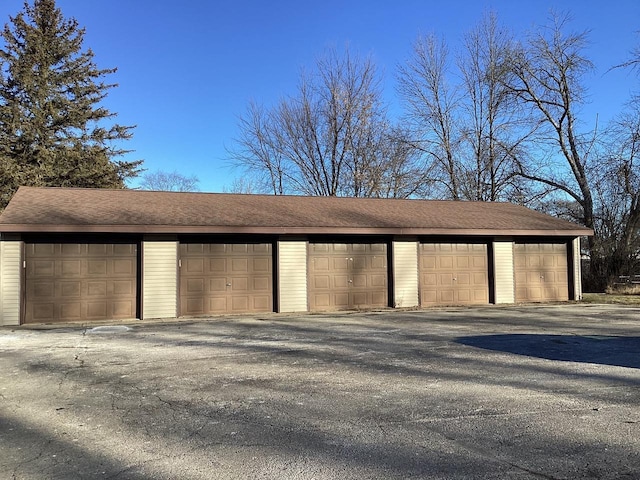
(228, 284)
(350, 281)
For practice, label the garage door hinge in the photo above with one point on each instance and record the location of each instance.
(24, 264)
(179, 263)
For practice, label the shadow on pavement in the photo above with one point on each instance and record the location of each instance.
(605, 350)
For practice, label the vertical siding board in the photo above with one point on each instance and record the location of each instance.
(504, 272)
(10, 282)
(577, 270)
(159, 279)
(405, 274)
(292, 276)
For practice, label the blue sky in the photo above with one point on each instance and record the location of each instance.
(187, 69)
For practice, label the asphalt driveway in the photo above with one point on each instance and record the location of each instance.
(528, 392)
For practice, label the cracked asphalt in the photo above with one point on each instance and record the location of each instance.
(524, 392)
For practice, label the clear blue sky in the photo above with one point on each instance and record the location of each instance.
(187, 69)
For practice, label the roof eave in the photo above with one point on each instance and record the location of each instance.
(266, 230)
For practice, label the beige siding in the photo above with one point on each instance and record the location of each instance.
(10, 282)
(292, 274)
(159, 279)
(504, 272)
(577, 270)
(405, 273)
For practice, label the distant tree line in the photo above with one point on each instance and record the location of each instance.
(501, 120)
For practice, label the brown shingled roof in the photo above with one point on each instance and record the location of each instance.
(97, 210)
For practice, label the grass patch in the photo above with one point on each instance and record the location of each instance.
(611, 298)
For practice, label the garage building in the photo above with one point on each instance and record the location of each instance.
(92, 255)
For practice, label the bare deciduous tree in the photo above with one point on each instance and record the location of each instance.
(331, 138)
(491, 128)
(169, 182)
(548, 73)
(431, 105)
(617, 200)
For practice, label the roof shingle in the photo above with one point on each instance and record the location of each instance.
(100, 210)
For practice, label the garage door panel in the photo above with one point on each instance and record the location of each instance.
(42, 312)
(216, 304)
(43, 290)
(217, 265)
(446, 279)
(239, 265)
(464, 296)
(359, 280)
(94, 267)
(242, 248)
(261, 265)
(342, 300)
(321, 300)
(453, 273)
(194, 265)
(71, 249)
(97, 249)
(361, 298)
(379, 262)
(123, 287)
(340, 281)
(340, 264)
(123, 267)
(480, 295)
(429, 280)
(43, 268)
(240, 304)
(78, 282)
(447, 296)
(240, 284)
(347, 275)
(94, 289)
(261, 284)
(122, 309)
(479, 262)
(445, 262)
(321, 282)
(235, 273)
(96, 310)
(321, 264)
(427, 263)
(73, 289)
(194, 286)
(541, 272)
(71, 311)
(429, 296)
(71, 268)
(379, 298)
(359, 263)
(462, 262)
(217, 285)
(261, 302)
(192, 305)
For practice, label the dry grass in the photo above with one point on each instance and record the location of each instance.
(624, 289)
(617, 298)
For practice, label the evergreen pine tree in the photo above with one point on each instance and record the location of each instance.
(53, 130)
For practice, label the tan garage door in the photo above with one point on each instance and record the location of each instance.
(345, 276)
(80, 282)
(225, 278)
(453, 274)
(541, 272)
